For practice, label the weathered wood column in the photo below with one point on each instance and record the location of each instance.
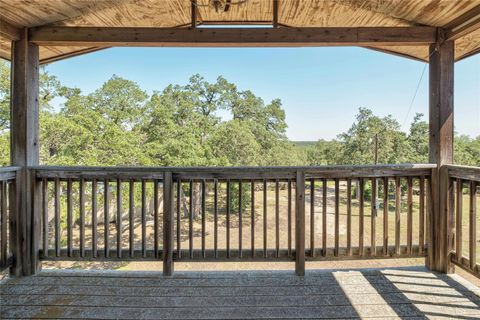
(25, 227)
(441, 152)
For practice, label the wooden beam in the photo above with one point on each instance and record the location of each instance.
(193, 11)
(463, 25)
(275, 14)
(9, 31)
(25, 153)
(441, 152)
(231, 37)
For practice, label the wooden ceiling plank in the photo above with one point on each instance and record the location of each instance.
(70, 55)
(8, 31)
(464, 24)
(398, 54)
(231, 37)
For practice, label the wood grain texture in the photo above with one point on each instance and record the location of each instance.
(25, 153)
(285, 13)
(322, 294)
(441, 79)
(231, 37)
(300, 224)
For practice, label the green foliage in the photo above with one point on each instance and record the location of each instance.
(120, 124)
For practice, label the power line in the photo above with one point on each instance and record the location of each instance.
(418, 87)
(414, 95)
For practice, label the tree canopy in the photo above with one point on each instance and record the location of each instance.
(201, 123)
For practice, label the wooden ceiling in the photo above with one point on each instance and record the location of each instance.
(290, 13)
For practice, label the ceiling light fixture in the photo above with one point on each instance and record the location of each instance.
(220, 5)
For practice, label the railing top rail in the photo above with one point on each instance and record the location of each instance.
(405, 166)
(8, 173)
(463, 172)
(279, 172)
(9, 169)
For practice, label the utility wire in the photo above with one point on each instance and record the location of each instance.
(414, 95)
(416, 89)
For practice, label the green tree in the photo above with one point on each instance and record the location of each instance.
(359, 141)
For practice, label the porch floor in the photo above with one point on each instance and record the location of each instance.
(406, 292)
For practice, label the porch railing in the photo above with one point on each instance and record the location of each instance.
(259, 213)
(7, 201)
(463, 184)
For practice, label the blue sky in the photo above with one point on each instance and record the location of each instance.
(321, 88)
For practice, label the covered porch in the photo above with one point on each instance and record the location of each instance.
(294, 214)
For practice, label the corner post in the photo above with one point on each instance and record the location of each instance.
(167, 224)
(300, 224)
(24, 108)
(441, 152)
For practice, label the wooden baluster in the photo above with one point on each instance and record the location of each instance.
(106, 219)
(3, 221)
(57, 217)
(421, 226)
(429, 221)
(190, 219)
(69, 218)
(349, 217)
(240, 218)
(277, 219)
(82, 218)
(156, 227)
(312, 217)
(289, 212)
(229, 204)
(385, 216)
(473, 224)
(167, 224)
(119, 218)
(131, 213)
(94, 219)
(324, 217)
(179, 219)
(144, 222)
(398, 204)
(264, 218)
(203, 217)
(459, 220)
(337, 217)
(361, 227)
(409, 214)
(361, 217)
(215, 217)
(45, 217)
(300, 224)
(373, 219)
(252, 212)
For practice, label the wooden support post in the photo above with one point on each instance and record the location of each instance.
(441, 240)
(167, 224)
(300, 224)
(26, 226)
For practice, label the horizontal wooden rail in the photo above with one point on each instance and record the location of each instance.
(231, 37)
(232, 213)
(462, 206)
(7, 202)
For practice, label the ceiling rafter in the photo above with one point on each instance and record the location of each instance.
(463, 25)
